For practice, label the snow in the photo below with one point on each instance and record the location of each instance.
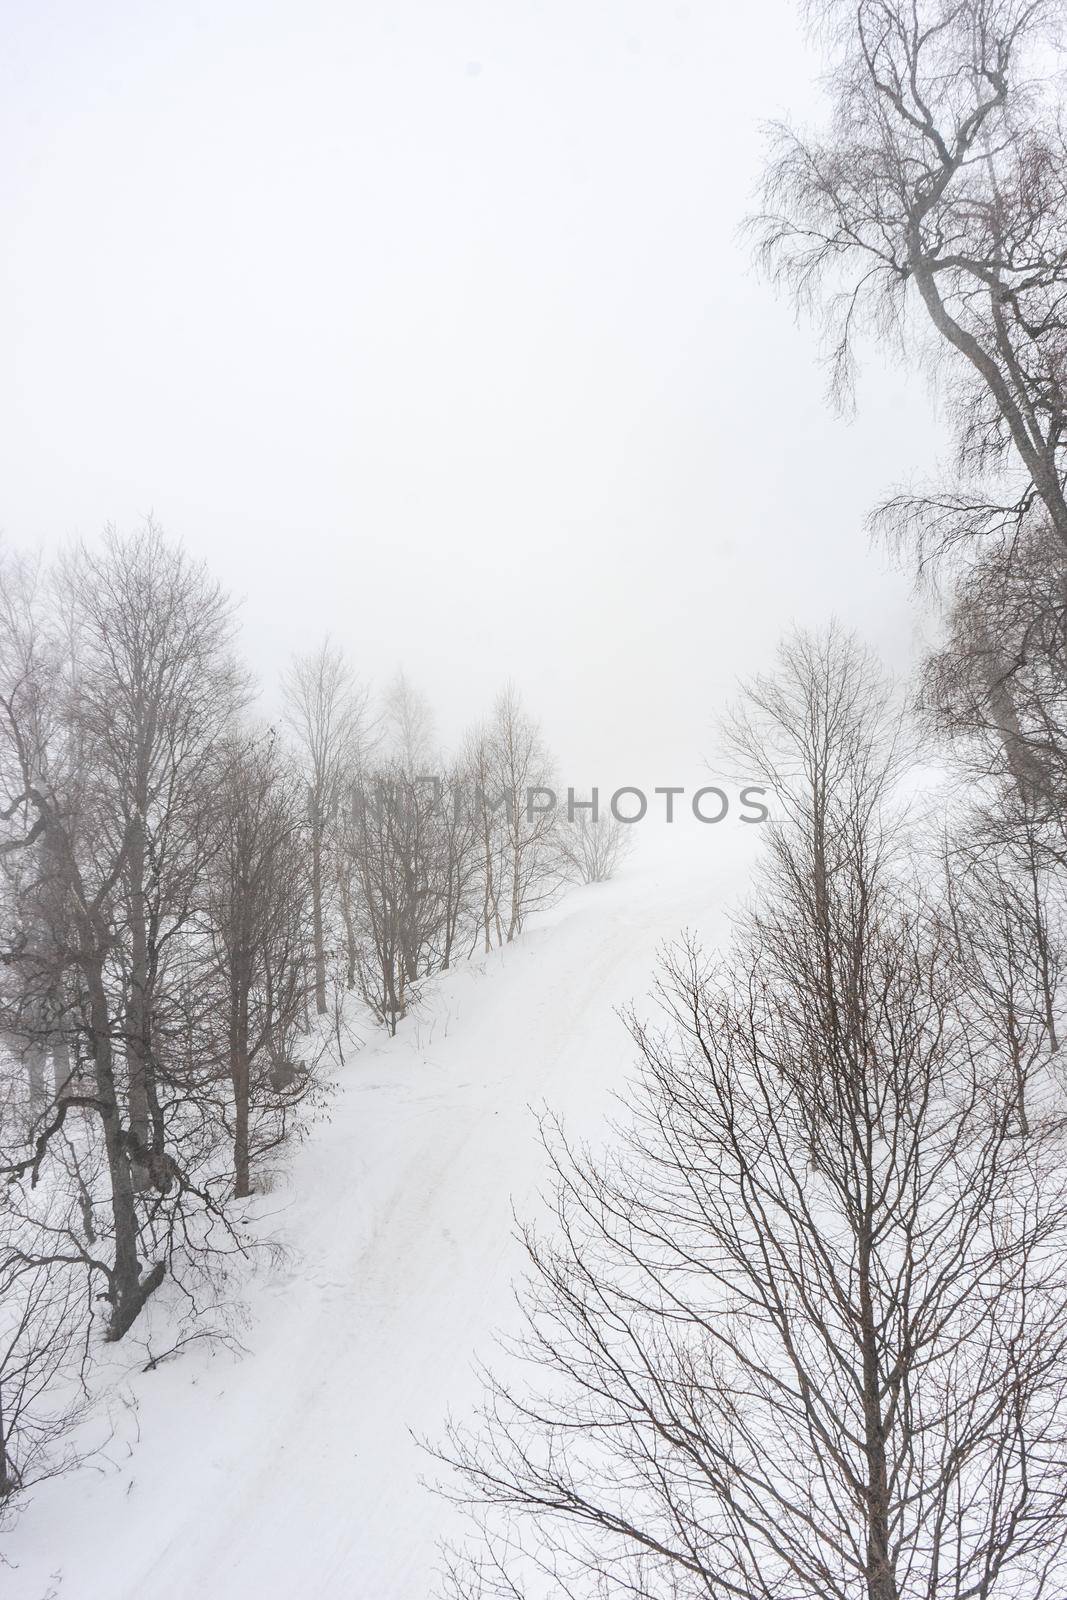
(288, 1468)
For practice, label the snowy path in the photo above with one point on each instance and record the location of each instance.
(290, 1470)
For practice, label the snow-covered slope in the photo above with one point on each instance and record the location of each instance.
(289, 1470)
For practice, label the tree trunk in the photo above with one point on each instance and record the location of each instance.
(516, 905)
(239, 1073)
(137, 1011)
(8, 1478)
(881, 1579)
(350, 932)
(316, 909)
(127, 1292)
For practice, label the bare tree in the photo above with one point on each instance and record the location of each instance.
(593, 842)
(42, 1359)
(409, 727)
(514, 800)
(459, 859)
(942, 178)
(487, 804)
(259, 925)
(326, 714)
(400, 864)
(155, 689)
(997, 684)
(935, 207)
(66, 935)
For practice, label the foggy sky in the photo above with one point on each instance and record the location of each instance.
(430, 326)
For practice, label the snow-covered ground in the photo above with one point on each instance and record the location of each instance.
(289, 1469)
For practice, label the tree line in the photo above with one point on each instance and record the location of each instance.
(187, 899)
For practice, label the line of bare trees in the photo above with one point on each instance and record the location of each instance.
(186, 895)
(418, 857)
(154, 957)
(803, 1332)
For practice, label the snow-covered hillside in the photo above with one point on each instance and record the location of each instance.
(289, 1469)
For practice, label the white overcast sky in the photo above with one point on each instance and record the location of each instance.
(428, 323)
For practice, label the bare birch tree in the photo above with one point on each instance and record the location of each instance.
(409, 727)
(259, 925)
(326, 715)
(509, 780)
(939, 190)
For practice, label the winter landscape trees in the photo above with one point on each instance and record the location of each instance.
(183, 891)
(796, 1328)
(799, 1332)
(802, 1331)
